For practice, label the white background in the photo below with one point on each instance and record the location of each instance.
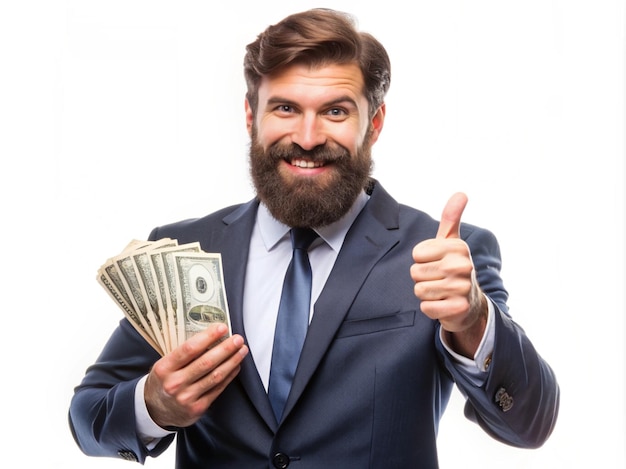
(117, 116)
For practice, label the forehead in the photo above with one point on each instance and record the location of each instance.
(306, 83)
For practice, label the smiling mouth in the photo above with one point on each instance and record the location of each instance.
(301, 163)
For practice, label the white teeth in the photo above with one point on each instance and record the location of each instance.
(306, 164)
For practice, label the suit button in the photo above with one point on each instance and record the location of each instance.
(503, 399)
(127, 455)
(280, 461)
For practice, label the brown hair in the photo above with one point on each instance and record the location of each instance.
(317, 37)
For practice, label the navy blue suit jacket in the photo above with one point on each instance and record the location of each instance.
(373, 378)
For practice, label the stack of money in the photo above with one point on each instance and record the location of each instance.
(168, 292)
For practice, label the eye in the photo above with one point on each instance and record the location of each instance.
(285, 108)
(336, 112)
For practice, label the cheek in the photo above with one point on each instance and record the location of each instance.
(349, 138)
(269, 133)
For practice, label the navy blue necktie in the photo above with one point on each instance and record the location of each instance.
(293, 320)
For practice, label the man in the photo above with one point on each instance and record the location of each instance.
(402, 306)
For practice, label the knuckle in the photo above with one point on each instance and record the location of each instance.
(206, 362)
(196, 410)
(171, 387)
(467, 266)
(187, 349)
(159, 369)
(183, 400)
(217, 376)
(459, 307)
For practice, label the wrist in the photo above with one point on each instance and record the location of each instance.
(466, 341)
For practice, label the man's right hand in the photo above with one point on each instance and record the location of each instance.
(184, 383)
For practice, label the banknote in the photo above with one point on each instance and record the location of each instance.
(120, 299)
(149, 288)
(164, 269)
(201, 297)
(132, 284)
(167, 291)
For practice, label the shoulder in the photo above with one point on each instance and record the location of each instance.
(193, 229)
(417, 225)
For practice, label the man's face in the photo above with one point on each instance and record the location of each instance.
(310, 153)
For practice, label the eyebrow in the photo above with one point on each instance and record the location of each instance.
(340, 100)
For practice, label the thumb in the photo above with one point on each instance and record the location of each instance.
(450, 223)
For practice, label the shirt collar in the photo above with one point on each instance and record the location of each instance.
(272, 231)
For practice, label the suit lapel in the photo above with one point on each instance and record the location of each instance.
(372, 235)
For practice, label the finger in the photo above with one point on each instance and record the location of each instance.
(217, 357)
(196, 345)
(427, 267)
(450, 224)
(212, 393)
(222, 373)
(445, 310)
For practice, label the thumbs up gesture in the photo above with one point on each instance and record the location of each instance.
(446, 284)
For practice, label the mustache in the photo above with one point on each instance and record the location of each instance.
(322, 153)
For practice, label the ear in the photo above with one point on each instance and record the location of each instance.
(377, 123)
(249, 117)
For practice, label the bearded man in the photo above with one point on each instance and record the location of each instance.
(398, 308)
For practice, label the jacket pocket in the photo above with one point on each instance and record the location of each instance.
(354, 327)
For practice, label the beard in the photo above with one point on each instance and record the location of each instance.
(307, 202)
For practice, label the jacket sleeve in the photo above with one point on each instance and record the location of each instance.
(102, 414)
(519, 401)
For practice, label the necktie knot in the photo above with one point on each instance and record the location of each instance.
(301, 238)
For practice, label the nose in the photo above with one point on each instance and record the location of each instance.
(309, 132)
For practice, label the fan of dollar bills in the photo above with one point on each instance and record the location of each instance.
(168, 292)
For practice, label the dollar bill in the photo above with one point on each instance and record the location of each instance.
(166, 268)
(132, 283)
(149, 288)
(201, 297)
(120, 298)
